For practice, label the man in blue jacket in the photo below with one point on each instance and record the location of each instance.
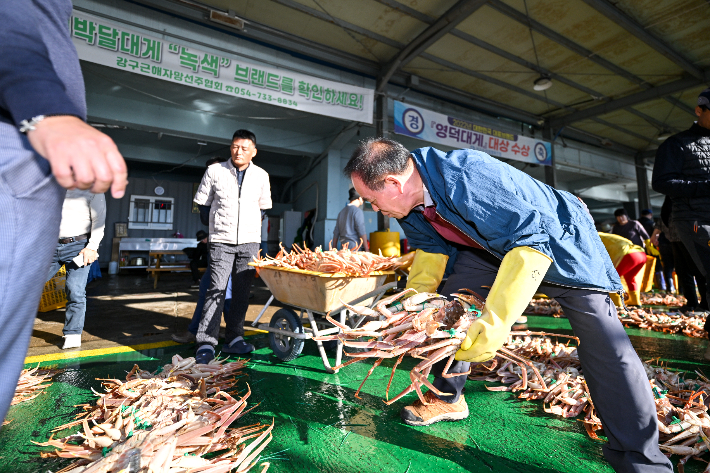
(494, 229)
(42, 125)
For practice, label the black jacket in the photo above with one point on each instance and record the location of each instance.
(682, 172)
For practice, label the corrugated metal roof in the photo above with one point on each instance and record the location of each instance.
(596, 52)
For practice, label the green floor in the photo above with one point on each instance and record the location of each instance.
(322, 427)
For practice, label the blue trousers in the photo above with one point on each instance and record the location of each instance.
(30, 211)
(76, 284)
(612, 369)
(204, 285)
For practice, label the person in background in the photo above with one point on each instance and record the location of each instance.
(682, 172)
(198, 258)
(629, 260)
(80, 233)
(236, 192)
(350, 225)
(686, 270)
(646, 220)
(662, 238)
(42, 128)
(629, 229)
(188, 336)
(652, 249)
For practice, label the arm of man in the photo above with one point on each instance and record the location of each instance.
(360, 228)
(205, 191)
(668, 178)
(265, 197)
(336, 235)
(97, 208)
(79, 155)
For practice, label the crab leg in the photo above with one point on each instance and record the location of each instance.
(374, 365)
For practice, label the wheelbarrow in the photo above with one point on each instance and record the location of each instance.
(314, 294)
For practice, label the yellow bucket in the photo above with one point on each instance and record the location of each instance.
(387, 242)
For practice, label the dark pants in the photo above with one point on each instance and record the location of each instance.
(226, 259)
(75, 286)
(195, 265)
(688, 274)
(202, 294)
(667, 263)
(696, 239)
(612, 369)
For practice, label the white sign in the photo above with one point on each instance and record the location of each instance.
(112, 45)
(439, 128)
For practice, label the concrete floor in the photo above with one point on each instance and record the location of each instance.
(125, 310)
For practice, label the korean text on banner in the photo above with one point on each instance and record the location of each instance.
(439, 128)
(110, 44)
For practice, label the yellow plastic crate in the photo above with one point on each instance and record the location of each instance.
(54, 295)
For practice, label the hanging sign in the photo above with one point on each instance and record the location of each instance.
(439, 128)
(110, 44)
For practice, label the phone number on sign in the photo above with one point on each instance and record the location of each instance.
(265, 97)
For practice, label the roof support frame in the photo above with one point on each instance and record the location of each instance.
(581, 50)
(447, 22)
(629, 24)
(627, 101)
(394, 4)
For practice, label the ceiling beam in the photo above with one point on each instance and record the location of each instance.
(613, 13)
(627, 101)
(517, 60)
(448, 21)
(579, 49)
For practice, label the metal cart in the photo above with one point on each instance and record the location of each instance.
(314, 294)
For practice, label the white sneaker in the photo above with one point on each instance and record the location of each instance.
(72, 341)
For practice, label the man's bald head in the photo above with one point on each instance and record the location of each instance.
(376, 158)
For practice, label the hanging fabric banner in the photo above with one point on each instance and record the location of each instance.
(442, 129)
(110, 44)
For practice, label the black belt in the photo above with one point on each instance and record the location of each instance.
(73, 239)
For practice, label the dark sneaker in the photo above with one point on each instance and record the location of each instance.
(186, 337)
(437, 410)
(238, 347)
(205, 354)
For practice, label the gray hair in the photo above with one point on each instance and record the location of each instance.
(375, 158)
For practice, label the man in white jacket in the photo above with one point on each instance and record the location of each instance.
(236, 193)
(80, 233)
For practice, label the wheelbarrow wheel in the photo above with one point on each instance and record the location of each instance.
(284, 347)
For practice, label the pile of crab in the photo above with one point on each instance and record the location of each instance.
(165, 422)
(668, 300)
(542, 370)
(423, 326)
(551, 372)
(682, 409)
(346, 261)
(689, 324)
(544, 306)
(32, 383)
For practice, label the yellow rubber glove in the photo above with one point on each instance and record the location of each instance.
(427, 271)
(519, 277)
(650, 249)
